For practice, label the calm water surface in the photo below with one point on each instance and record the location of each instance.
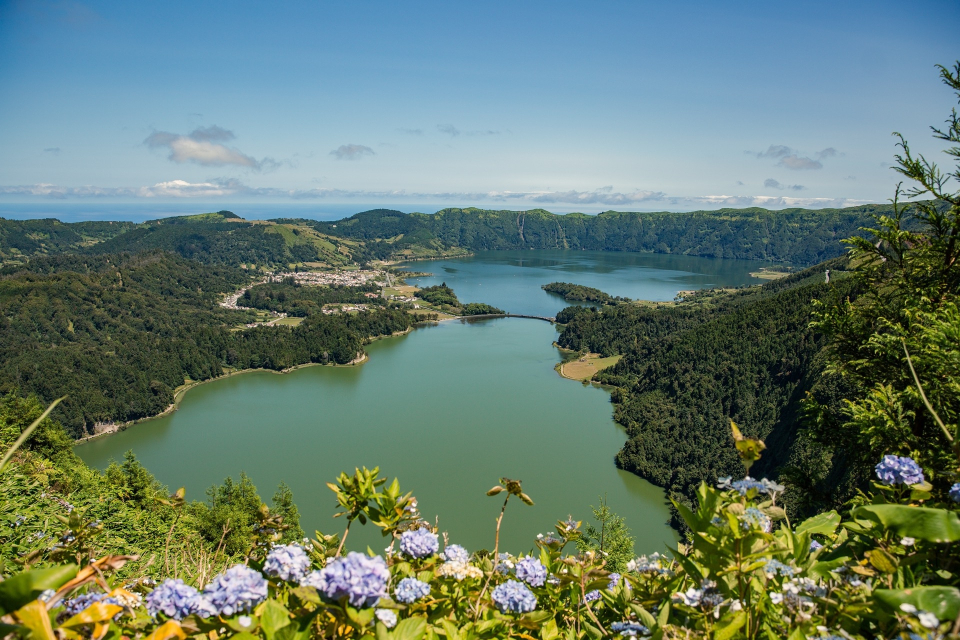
(448, 409)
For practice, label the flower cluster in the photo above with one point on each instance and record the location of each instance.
(955, 492)
(654, 563)
(78, 604)
(410, 590)
(899, 470)
(531, 571)
(459, 571)
(744, 486)
(359, 578)
(629, 629)
(387, 616)
(237, 589)
(288, 562)
(614, 580)
(591, 596)
(774, 566)
(173, 598)
(514, 597)
(455, 553)
(419, 543)
(753, 518)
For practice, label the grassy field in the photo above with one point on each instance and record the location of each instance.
(585, 367)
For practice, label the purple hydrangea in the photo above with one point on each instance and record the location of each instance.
(514, 597)
(899, 470)
(78, 604)
(531, 571)
(203, 607)
(173, 598)
(288, 562)
(629, 629)
(387, 616)
(410, 590)
(456, 553)
(815, 546)
(955, 492)
(614, 580)
(359, 578)
(591, 596)
(237, 589)
(419, 543)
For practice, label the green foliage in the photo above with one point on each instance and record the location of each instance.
(611, 539)
(284, 506)
(439, 294)
(580, 293)
(227, 518)
(297, 300)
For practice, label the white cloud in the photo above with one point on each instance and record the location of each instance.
(791, 158)
(351, 152)
(203, 146)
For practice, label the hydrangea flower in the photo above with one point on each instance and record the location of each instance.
(203, 607)
(744, 486)
(288, 562)
(505, 563)
(773, 567)
(754, 518)
(173, 598)
(614, 580)
(459, 571)
(691, 597)
(78, 604)
(955, 492)
(419, 543)
(899, 470)
(531, 571)
(514, 597)
(653, 564)
(387, 616)
(815, 546)
(591, 596)
(629, 629)
(359, 578)
(237, 589)
(410, 590)
(455, 553)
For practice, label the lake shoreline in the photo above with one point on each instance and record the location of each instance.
(109, 429)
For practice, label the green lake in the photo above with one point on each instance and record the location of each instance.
(448, 408)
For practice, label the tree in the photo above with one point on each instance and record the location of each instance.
(284, 506)
(612, 539)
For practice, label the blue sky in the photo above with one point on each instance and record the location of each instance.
(565, 105)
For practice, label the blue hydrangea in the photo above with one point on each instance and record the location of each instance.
(237, 589)
(173, 598)
(288, 562)
(203, 607)
(78, 604)
(773, 567)
(754, 518)
(815, 546)
(387, 616)
(629, 629)
(592, 596)
(359, 578)
(456, 553)
(514, 597)
(744, 486)
(899, 470)
(419, 543)
(532, 571)
(955, 492)
(410, 590)
(614, 580)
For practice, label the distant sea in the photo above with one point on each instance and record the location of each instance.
(143, 211)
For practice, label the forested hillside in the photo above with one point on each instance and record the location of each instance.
(687, 370)
(119, 333)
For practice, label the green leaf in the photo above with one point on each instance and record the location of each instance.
(824, 523)
(731, 628)
(410, 629)
(943, 602)
(549, 630)
(645, 616)
(273, 618)
(664, 614)
(24, 587)
(932, 525)
(882, 561)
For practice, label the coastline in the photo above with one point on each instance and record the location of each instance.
(180, 392)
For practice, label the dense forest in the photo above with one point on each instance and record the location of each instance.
(580, 293)
(444, 298)
(749, 356)
(295, 299)
(119, 333)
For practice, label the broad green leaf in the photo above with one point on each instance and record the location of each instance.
(731, 628)
(34, 616)
(645, 616)
(824, 523)
(664, 614)
(882, 561)
(687, 515)
(273, 618)
(410, 629)
(943, 602)
(24, 587)
(549, 630)
(932, 525)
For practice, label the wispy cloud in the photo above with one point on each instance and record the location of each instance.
(204, 146)
(228, 187)
(351, 152)
(791, 158)
(53, 150)
(448, 129)
(770, 183)
(412, 132)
